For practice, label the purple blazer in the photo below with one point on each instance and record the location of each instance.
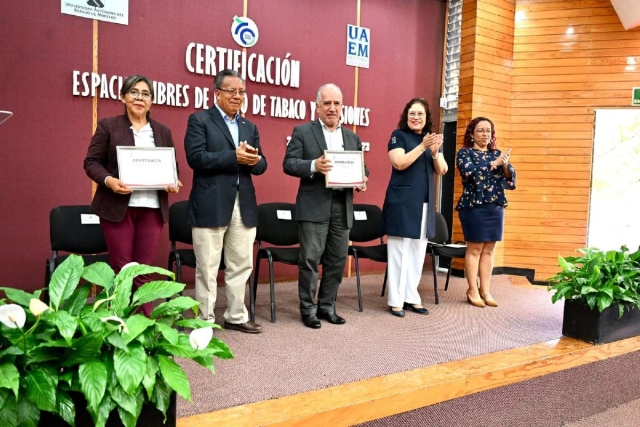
(101, 161)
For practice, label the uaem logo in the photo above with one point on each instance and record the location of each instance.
(244, 31)
(95, 3)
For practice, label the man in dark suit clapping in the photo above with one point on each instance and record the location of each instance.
(223, 149)
(324, 215)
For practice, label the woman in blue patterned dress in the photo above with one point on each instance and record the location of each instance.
(486, 173)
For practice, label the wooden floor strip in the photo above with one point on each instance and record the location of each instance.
(374, 398)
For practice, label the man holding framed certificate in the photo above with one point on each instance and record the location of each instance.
(328, 160)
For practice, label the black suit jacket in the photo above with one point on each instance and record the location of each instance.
(211, 154)
(307, 143)
(102, 161)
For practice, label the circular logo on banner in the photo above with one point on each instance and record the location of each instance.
(244, 31)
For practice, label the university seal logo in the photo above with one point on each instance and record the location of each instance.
(244, 31)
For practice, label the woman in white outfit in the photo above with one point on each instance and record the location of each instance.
(408, 214)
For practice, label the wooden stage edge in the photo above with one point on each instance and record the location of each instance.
(375, 398)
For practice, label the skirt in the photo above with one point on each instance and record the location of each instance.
(482, 223)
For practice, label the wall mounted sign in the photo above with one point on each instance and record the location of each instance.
(115, 11)
(253, 66)
(358, 46)
(635, 96)
(244, 31)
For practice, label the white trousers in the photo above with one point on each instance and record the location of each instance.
(405, 261)
(237, 240)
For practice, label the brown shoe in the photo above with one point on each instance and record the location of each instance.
(475, 302)
(488, 300)
(247, 327)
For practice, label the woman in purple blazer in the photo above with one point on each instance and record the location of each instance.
(131, 221)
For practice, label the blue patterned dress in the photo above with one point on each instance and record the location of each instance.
(481, 205)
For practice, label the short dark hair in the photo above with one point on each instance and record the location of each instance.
(471, 127)
(403, 124)
(132, 80)
(219, 80)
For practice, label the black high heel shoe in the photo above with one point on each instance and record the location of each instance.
(419, 310)
(397, 313)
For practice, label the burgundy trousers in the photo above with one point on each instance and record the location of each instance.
(135, 238)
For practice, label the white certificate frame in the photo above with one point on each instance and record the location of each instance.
(347, 171)
(147, 168)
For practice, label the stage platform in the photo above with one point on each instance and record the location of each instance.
(377, 365)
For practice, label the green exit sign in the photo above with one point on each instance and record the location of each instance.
(635, 96)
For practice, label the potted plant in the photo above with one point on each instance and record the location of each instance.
(601, 293)
(71, 353)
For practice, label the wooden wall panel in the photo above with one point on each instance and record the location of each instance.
(567, 58)
(560, 5)
(570, 57)
(486, 62)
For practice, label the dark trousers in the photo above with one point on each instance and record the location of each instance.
(135, 238)
(329, 241)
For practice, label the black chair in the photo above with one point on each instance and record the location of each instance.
(440, 246)
(277, 232)
(366, 228)
(68, 234)
(180, 232)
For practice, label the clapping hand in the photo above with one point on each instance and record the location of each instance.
(247, 155)
(503, 159)
(433, 142)
(249, 149)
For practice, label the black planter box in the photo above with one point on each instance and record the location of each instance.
(599, 328)
(149, 417)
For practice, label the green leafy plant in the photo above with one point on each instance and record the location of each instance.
(115, 357)
(599, 279)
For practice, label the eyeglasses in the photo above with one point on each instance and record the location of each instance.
(487, 131)
(135, 94)
(232, 92)
(328, 104)
(416, 115)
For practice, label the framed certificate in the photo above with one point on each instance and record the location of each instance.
(147, 168)
(347, 171)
